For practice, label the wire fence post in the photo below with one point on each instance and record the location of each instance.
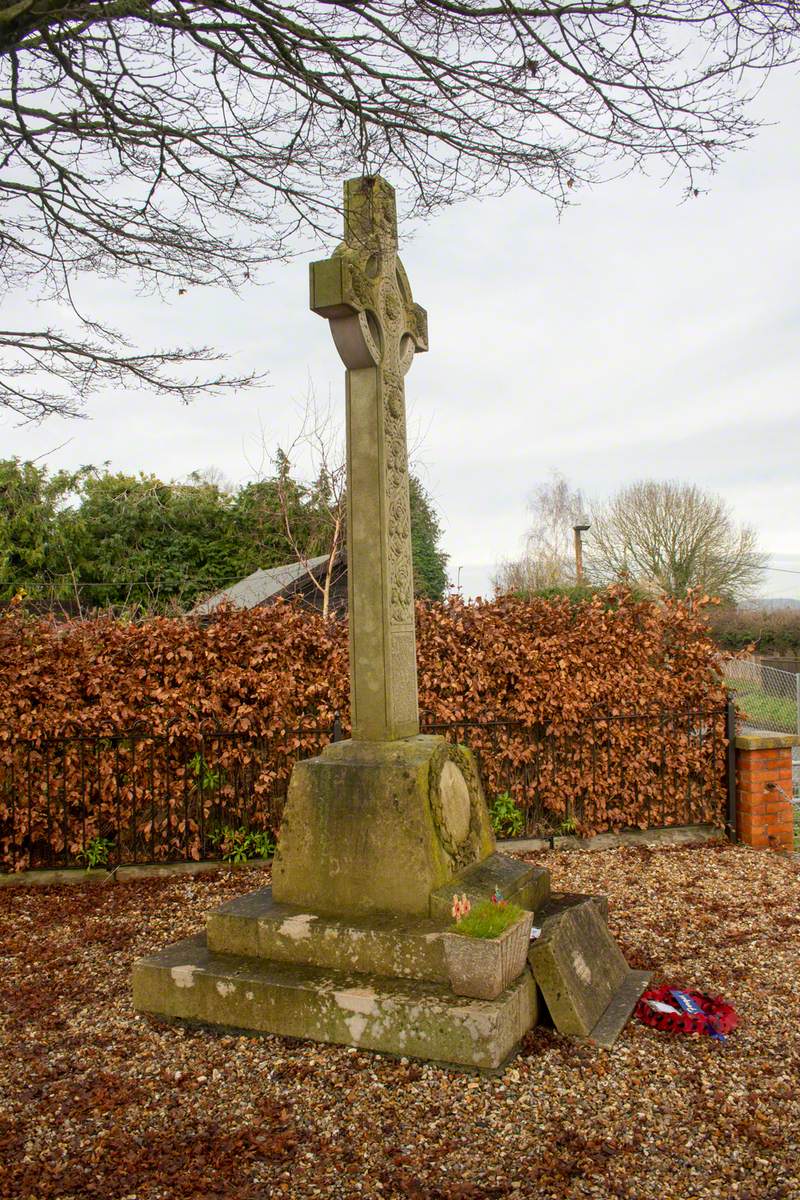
(730, 766)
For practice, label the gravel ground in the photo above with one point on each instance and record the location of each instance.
(98, 1102)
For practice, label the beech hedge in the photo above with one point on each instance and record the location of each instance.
(552, 671)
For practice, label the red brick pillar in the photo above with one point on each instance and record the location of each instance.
(764, 816)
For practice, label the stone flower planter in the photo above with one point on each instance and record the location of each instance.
(484, 967)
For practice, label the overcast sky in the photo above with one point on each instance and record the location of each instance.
(638, 336)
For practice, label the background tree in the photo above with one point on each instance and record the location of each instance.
(95, 539)
(549, 558)
(430, 561)
(670, 537)
(182, 145)
(30, 500)
(136, 541)
(317, 526)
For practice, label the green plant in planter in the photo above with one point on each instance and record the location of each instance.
(488, 920)
(486, 949)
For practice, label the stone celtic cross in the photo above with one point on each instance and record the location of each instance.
(363, 291)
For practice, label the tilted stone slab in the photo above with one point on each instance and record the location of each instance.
(559, 901)
(617, 1015)
(522, 883)
(257, 926)
(403, 1017)
(578, 966)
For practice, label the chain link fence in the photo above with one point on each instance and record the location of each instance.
(767, 697)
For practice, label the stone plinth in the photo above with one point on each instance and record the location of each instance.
(257, 926)
(374, 827)
(764, 813)
(399, 1016)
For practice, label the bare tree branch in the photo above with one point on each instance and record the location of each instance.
(322, 529)
(186, 143)
(548, 560)
(43, 372)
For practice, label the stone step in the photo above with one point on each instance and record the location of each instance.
(521, 882)
(616, 1016)
(258, 926)
(188, 982)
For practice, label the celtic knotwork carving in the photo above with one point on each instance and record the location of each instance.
(401, 579)
(404, 674)
(363, 291)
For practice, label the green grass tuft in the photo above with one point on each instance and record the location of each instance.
(488, 920)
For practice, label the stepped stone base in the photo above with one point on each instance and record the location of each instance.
(347, 945)
(257, 926)
(380, 982)
(399, 1016)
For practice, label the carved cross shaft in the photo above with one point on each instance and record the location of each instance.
(363, 291)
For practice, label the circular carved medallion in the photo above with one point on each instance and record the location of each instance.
(456, 799)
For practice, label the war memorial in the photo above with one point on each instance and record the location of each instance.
(381, 830)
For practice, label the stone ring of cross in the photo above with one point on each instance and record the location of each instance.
(363, 290)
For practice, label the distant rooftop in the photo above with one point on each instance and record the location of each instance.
(260, 586)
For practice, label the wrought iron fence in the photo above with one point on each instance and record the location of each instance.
(137, 797)
(614, 771)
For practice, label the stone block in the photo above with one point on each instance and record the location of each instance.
(522, 883)
(402, 1017)
(578, 966)
(523, 845)
(257, 926)
(377, 826)
(48, 878)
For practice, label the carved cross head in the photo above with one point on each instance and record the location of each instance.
(363, 290)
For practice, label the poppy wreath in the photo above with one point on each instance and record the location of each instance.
(713, 1015)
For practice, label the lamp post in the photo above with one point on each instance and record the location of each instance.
(581, 525)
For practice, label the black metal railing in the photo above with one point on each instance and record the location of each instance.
(139, 797)
(613, 771)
